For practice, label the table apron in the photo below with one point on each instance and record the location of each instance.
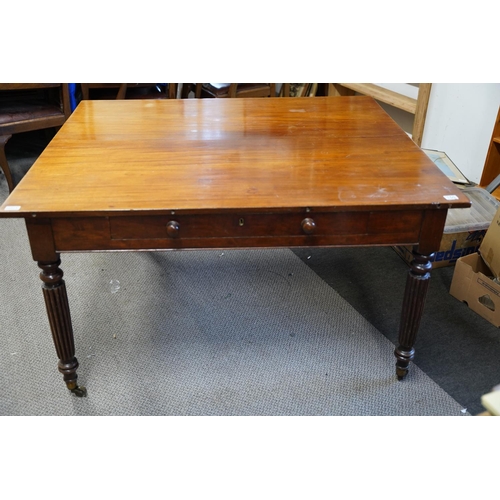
(238, 230)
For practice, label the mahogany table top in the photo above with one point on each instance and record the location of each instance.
(203, 155)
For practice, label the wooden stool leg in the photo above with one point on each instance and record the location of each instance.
(417, 284)
(122, 91)
(56, 302)
(172, 90)
(186, 88)
(3, 162)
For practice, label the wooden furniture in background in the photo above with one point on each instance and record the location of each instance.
(285, 90)
(417, 107)
(204, 90)
(25, 107)
(128, 91)
(231, 173)
(490, 177)
(301, 89)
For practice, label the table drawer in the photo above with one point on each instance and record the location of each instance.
(238, 226)
(237, 230)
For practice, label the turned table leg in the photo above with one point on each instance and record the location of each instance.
(417, 284)
(56, 301)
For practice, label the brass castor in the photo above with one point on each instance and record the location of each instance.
(401, 372)
(79, 391)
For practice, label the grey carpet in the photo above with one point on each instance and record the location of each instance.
(198, 333)
(456, 347)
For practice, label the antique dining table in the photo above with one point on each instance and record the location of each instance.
(230, 173)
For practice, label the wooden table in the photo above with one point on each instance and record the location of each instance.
(230, 173)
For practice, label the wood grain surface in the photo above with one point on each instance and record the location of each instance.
(204, 155)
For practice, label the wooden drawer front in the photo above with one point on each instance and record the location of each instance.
(237, 226)
(265, 225)
(237, 231)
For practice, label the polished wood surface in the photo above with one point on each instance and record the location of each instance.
(113, 157)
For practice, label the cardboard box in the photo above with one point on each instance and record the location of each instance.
(464, 229)
(476, 279)
(491, 402)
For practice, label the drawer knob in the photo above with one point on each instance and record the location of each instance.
(173, 228)
(308, 225)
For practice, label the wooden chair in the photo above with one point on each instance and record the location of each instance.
(224, 90)
(128, 91)
(25, 107)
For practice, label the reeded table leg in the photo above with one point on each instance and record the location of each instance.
(56, 301)
(417, 284)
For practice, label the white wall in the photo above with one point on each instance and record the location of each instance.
(460, 121)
